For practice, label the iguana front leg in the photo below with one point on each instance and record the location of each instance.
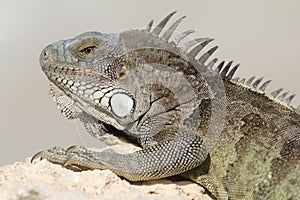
(167, 158)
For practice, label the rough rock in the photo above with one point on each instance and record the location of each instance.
(43, 180)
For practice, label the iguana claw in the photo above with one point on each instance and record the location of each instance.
(36, 156)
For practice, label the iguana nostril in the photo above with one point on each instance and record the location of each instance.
(47, 55)
(44, 55)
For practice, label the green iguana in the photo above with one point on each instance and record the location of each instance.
(188, 113)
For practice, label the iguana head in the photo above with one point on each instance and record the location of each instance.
(85, 70)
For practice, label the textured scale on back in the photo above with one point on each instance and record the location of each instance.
(189, 114)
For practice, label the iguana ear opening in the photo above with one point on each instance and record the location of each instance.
(121, 71)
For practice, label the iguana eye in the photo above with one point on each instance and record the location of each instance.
(88, 50)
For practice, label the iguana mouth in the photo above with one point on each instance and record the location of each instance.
(66, 69)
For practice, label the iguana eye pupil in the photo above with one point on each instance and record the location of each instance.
(88, 50)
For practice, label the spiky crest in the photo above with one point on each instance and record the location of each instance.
(191, 43)
(182, 35)
(257, 82)
(226, 71)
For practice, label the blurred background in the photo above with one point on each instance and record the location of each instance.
(261, 35)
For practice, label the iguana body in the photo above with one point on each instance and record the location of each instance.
(189, 118)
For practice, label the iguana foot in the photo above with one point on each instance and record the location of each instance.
(76, 158)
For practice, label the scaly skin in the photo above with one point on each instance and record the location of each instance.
(190, 119)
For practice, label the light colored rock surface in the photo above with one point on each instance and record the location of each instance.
(43, 180)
